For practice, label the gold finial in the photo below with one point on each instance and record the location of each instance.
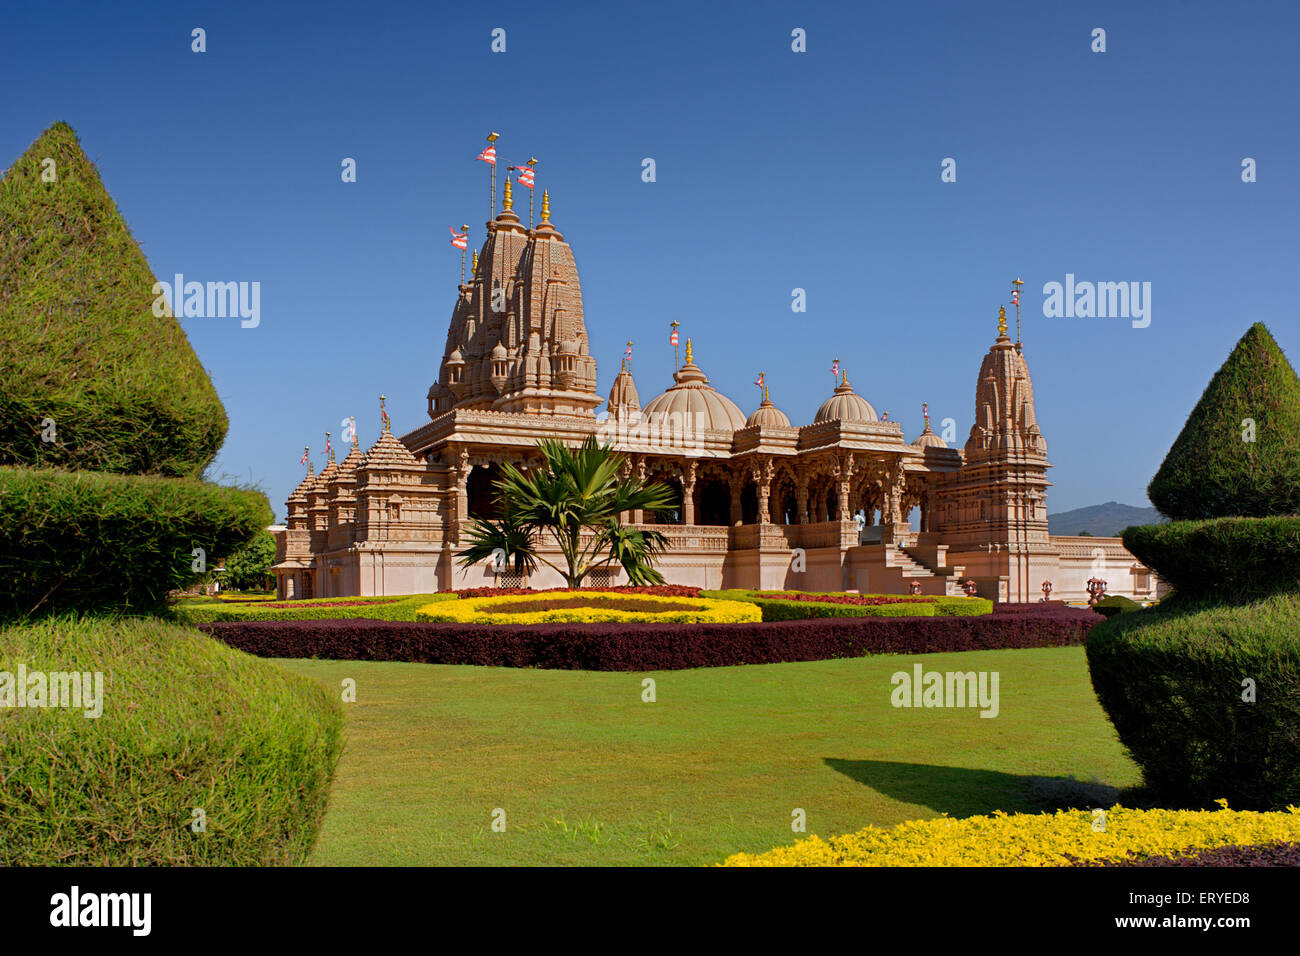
(690, 359)
(766, 400)
(475, 271)
(546, 205)
(844, 376)
(1002, 320)
(925, 410)
(509, 201)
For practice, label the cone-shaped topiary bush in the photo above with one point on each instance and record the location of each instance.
(1204, 689)
(107, 516)
(83, 358)
(1239, 453)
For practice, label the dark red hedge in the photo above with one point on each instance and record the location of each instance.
(1277, 854)
(639, 647)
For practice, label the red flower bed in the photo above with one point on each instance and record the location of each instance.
(860, 599)
(320, 603)
(661, 590)
(639, 647)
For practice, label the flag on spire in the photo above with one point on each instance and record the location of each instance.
(835, 368)
(1015, 298)
(525, 175)
(627, 352)
(329, 449)
(672, 339)
(489, 155)
(305, 450)
(762, 379)
(459, 239)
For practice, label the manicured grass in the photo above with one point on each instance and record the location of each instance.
(589, 774)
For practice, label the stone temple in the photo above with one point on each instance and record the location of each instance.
(765, 503)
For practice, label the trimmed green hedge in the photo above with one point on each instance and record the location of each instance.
(1239, 452)
(87, 540)
(187, 723)
(1114, 604)
(378, 609)
(777, 609)
(1233, 558)
(79, 342)
(1171, 679)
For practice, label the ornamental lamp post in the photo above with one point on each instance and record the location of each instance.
(1096, 590)
(1047, 591)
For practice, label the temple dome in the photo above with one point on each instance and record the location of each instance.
(767, 415)
(928, 439)
(693, 396)
(845, 406)
(499, 352)
(623, 393)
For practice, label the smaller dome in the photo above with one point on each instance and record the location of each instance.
(928, 439)
(767, 415)
(845, 406)
(568, 347)
(455, 358)
(499, 352)
(623, 393)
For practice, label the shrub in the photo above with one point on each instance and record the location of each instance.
(85, 540)
(640, 647)
(321, 609)
(250, 565)
(1232, 558)
(187, 723)
(1274, 854)
(798, 605)
(1211, 471)
(1114, 604)
(592, 607)
(1171, 680)
(80, 341)
(1034, 839)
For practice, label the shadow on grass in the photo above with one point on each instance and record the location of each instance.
(963, 792)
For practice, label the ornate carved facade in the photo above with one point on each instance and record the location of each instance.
(764, 503)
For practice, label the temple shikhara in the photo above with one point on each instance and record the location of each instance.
(764, 503)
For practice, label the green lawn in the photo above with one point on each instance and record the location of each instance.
(589, 774)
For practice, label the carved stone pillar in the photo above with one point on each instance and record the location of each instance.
(801, 496)
(688, 493)
(737, 485)
(894, 496)
(638, 514)
(842, 471)
(763, 472)
(460, 495)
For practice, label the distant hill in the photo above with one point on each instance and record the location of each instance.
(1102, 521)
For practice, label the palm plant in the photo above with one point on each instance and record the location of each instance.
(577, 493)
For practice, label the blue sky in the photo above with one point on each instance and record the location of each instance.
(775, 170)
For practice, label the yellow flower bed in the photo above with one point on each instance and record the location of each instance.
(1037, 839)
(496, 610)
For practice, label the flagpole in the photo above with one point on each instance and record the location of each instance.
(532, 164)
(676, 365)
(464, 229)
(492, 190)
(1017, 283)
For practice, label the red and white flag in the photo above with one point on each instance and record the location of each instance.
(835, 368)
(306, 448)
(1015, 298)
(489, 155)
(458, 239)
(525, 176)
(627, 352)
(672, 339)
(761, 379)
(328, 448)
